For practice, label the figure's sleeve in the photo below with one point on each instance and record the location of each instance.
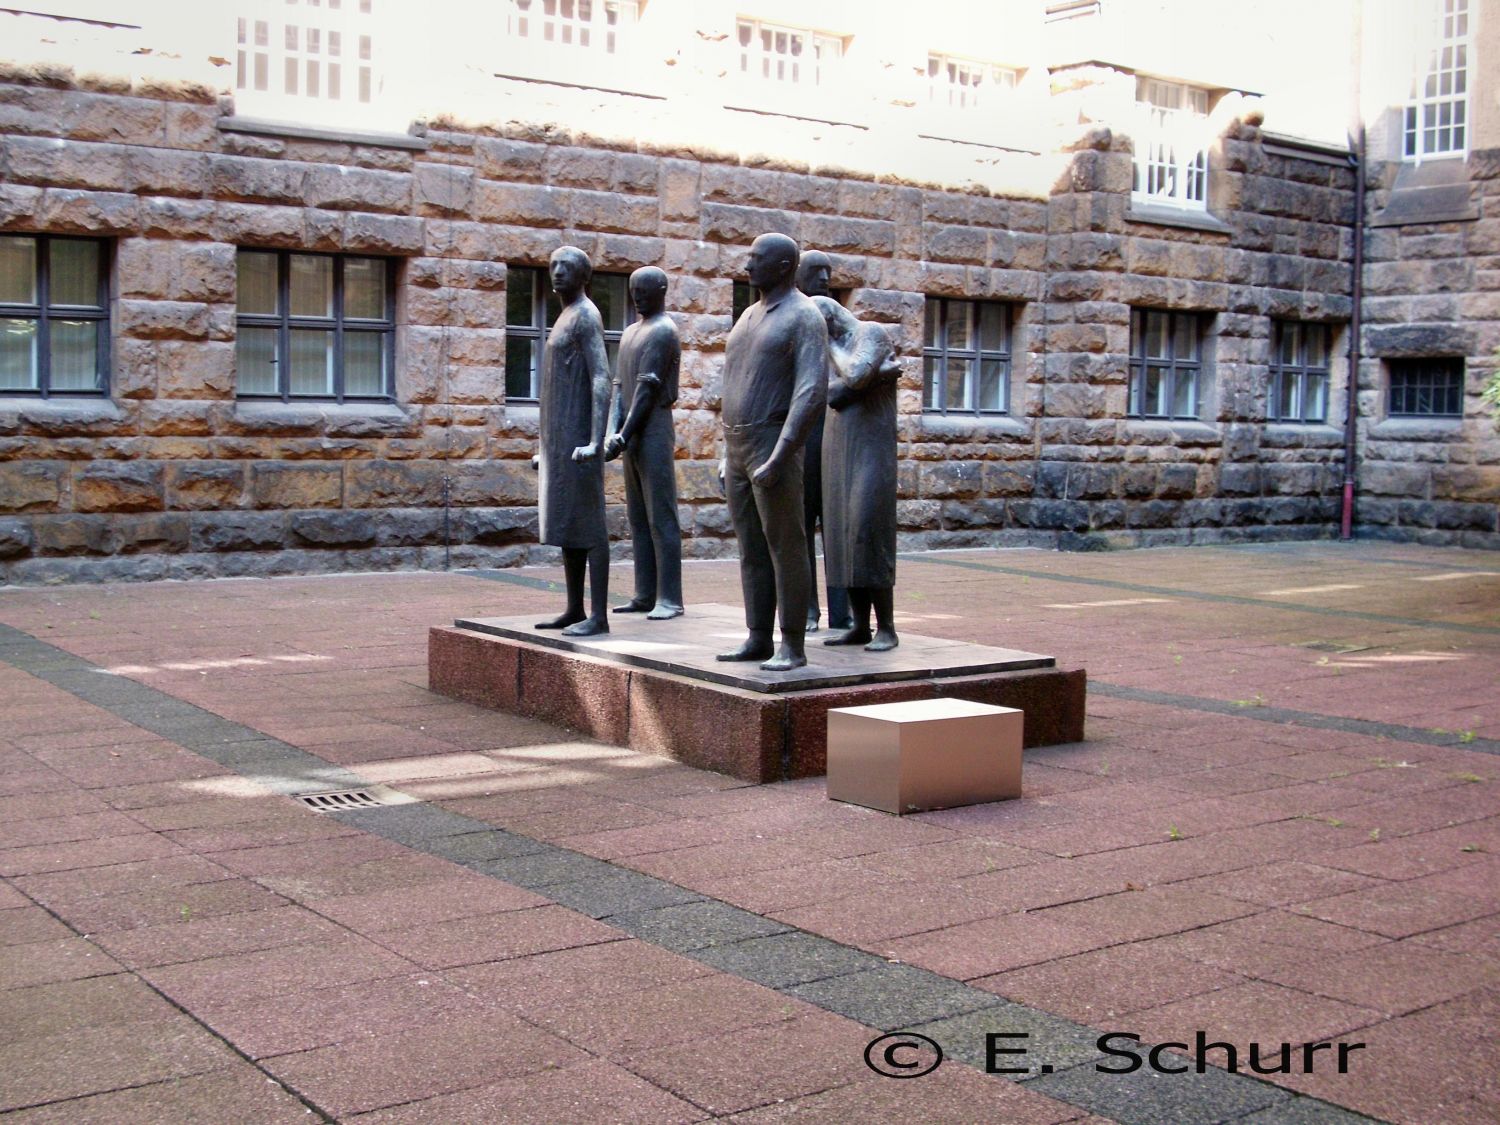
(597, 360)
(870, 360)
(809, 376)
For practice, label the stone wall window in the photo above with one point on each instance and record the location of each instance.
(1436, 118)
(966, 353)
(1171, 144)
(787, 56)
(314, 326)
(1299, 372)
(741, 299)
(1426, 388)
(54, 315)
(531, 309)
(958, 83)
(588, 25)
(1166, 364)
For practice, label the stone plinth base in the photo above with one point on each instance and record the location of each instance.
(652, 686)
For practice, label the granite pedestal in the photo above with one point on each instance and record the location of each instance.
(655, 686)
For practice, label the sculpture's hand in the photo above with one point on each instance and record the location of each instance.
(767, 475)
(722, 468)
(839, 394)
(614, 445)
(586, 452)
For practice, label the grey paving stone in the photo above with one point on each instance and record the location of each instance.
(1049, 1040)
(543, 868)
(784, 960)
(1307, 1111)
(695, 925)
(1151, 1098)
(619, 894)
(476, 849)
(894, 996)
(414, 823)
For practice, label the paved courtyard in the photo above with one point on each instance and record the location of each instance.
(1282, 828)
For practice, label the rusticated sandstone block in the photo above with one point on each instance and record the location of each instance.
(119, 486)
(277, 485)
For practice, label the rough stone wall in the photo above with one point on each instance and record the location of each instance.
(1431, 289)
(171, 476)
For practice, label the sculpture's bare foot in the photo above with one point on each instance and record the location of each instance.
(812, 622)
(787, 657)
(885, 640)
(754, 648)
(859, 635)
(561, 622)
(588, 627)
(664, 612)
(634, 605)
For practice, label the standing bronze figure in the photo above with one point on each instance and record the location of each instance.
(859, 474)
(574, 401)
(813, 273)
(775, 369)
(640, 427)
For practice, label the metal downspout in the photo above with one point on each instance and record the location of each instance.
(1351, 399)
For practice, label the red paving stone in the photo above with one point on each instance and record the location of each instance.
(1183, 869)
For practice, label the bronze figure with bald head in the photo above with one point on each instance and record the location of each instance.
(775, 376)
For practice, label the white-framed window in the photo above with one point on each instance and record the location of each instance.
(314, 61)
(599, 26)
(1171, 143)
(1435, 121)
(966, 353)
(789, 57)
(959, 83)
(1166, 364)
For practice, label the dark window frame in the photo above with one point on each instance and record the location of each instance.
(937, 357)
(1304, 373)
(1191, 367)
(1416, 381)
(44, 312)
(283, 322)
(540, 328)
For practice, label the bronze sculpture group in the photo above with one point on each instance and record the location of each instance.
(802, 377)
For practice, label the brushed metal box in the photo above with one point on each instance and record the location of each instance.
(926, 754)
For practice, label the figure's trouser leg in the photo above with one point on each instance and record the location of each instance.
(598, 567)
(757, 575)
(780, 508)
(658, 484)
(810, 527)
(838, 604)
(575, 562)
(640, 533)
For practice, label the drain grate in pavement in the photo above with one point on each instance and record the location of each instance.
(1331, 646)
(342, 800)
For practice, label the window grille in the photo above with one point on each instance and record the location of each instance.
(532, 308)
(787, 56)
(964, 83)
(307, 59)
(54, 315)
(588, 25)
(1171, 144)
(314, 326)
(1166, 364)
(1299, 372)
(1427, 388)
(1436, 118)
(966, 354)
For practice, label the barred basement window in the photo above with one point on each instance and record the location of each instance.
(314, 326)
(1299, 372)
(789, 56)
(1435, 120)
(1171, 144)
(531, 309)
(966, 357)
(54, 315)
(1166, 364)
(590, 25)
(1427, 388)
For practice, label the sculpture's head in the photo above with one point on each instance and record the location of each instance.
(648, 289)
(773, 261)
(569, 270)
(813, 273)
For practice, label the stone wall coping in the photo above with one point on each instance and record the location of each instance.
(970, 425)
(310, 411)
(1181, 429)
(1306, 429)
(1176, 217)
(1418, 429)
(237, 124)
(80, 410)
